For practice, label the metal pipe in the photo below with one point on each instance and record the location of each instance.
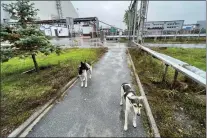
(177, 67)
(110, 25)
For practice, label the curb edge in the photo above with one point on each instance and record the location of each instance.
(145, 101)
(20, 129)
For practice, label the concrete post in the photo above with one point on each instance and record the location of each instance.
(175, 35)
(155, 39)
(199, 33)
(165, 36)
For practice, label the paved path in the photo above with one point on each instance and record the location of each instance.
(93, 111)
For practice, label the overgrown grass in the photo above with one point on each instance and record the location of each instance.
(193, 56)
(179, 40)
(123, 40)
(23, 93)
(144, 117)
(178, 112)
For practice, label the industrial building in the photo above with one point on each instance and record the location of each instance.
(189, 27)
(158, 27)
(48, 10)
(202, 24)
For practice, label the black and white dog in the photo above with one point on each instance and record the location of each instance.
(132, 102)
(82, 72)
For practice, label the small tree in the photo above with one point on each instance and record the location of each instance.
(23, 11)
(26, 41)
(126, 19)
(6, 51)
(31, 42)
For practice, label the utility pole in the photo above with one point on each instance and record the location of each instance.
(135, 18)
(144, 8)
(70, 26)
(142, 18)
(138, 24)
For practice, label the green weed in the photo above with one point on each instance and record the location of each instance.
(166, 103)
(193, 56)
(22, 93)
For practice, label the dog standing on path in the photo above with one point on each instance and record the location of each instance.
(82, 72)
(132, 102)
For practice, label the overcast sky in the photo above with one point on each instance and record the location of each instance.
(112, 11)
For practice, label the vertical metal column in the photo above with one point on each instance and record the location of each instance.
(165, 72)
(138, 24)
(146, 11)
(70, 26)
(135, 18)
(175, 78)
(129, 23)
(143, 16)
(59, 9)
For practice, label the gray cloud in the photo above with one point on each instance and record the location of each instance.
(112, 11)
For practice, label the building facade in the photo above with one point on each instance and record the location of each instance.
(48, 10)
(202, 24)
(158, 27)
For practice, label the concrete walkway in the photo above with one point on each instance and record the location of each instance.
(93, 111)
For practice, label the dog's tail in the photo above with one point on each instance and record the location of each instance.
(140, 97)
(137, 97)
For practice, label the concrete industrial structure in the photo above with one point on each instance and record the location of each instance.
(202, 24)
(189, 27)
(48, 10)
(158, 27)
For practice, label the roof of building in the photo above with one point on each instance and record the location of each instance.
(76, 20)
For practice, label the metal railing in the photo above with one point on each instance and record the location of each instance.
(197, 78)
(178, 35)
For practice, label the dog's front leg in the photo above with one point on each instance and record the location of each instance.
(86, 80)
(90, 71)
(122, 94)
(126, 119)
(81, 80)
(135, 120)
